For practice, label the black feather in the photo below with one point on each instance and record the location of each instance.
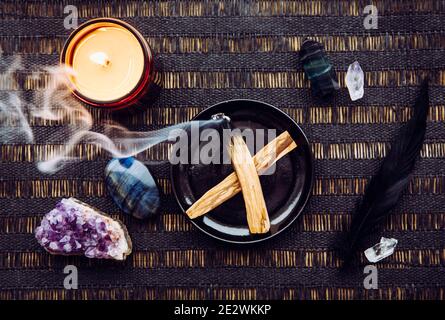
(385, 188)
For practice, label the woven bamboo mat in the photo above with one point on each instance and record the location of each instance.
(209, 51)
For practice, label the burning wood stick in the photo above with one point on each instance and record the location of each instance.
(242, 161)
(230, 186)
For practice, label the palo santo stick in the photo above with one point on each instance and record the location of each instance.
(229, 187)
(248, 178)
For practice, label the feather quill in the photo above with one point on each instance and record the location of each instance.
(386, 187)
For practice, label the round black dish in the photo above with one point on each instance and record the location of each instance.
(286, 191)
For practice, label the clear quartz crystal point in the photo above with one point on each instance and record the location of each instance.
(381, 250)
(355, 79)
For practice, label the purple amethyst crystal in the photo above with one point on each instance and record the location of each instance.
(74, 228)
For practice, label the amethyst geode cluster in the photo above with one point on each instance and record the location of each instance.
(74, 228)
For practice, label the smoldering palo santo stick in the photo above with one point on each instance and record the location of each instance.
(229, 187)
(242, 161)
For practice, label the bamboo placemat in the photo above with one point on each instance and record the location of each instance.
(209, 51)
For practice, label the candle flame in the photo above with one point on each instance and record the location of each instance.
(100, 58)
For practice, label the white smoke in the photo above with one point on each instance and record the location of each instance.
(55, 103)
(14, 126)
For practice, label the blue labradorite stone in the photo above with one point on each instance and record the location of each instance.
(132, 187)
(318, 69)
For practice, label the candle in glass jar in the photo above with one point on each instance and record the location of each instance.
(112, 64)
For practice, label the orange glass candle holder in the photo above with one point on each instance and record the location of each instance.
(111, 64)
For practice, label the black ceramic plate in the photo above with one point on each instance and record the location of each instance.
(286, 191)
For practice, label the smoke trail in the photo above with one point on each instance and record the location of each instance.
(74, 124)
(14, 126)
(58, 104)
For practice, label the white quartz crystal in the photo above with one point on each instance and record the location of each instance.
(355, 80)
(381, 250)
